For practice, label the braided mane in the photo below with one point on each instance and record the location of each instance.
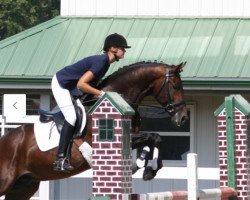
(129, 68)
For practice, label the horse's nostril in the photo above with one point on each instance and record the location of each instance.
(184, 119)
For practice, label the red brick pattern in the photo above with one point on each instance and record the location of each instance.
(241, 154)
(112, 175)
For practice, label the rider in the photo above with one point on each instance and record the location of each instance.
(82, 75)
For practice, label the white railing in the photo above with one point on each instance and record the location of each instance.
(192, 192)
(5, 125)
(43, 192)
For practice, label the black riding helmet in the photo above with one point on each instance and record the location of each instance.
(115, 40)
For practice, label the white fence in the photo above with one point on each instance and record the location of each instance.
(192, 192)
(5, 127)
(43, 192)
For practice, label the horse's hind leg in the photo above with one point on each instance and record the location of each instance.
(23, 189)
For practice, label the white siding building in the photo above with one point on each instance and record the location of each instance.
(186, 8)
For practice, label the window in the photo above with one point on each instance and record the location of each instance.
(32, 104)
(176, 141)
(32, 107)
(106, 129)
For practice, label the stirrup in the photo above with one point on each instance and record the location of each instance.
(62, 164)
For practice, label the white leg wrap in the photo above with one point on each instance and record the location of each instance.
(155, 158)
(141, 162)
(86, 151)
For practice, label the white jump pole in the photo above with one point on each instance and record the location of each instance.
(192, 174)
(192, 192)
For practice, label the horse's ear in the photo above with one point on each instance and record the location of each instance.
(181, 66)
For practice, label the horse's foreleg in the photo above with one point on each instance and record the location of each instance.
(147, 141)
(143, 158)
(151, 171)
(155, 158)
(23, 189)
(139, 141)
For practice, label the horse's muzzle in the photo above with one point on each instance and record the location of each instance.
(179, 119)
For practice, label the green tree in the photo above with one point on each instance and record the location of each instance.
(19, 15)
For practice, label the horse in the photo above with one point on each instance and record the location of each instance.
(24, 165)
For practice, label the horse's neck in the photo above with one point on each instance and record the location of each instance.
(135, 90)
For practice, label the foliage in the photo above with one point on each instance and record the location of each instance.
(18, 15)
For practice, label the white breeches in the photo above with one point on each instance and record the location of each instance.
(64, 102)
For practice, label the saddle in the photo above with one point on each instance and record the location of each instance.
(58, 118)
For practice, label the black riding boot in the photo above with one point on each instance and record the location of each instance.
(62, 161)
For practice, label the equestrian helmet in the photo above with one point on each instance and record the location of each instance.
(115, 40)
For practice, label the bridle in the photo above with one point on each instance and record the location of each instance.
(171, 107)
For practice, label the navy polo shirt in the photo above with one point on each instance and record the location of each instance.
(69, 75)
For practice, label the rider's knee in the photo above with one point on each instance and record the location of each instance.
(71, 118)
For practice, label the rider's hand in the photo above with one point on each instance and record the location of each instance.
(101, 94)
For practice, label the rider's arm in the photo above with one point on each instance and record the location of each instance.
(83, 84)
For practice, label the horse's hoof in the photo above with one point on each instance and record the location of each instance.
(149, 173)
(134, 168)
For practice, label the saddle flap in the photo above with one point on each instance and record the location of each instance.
(58, 118)
(47, 116)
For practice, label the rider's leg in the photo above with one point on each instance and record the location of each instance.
(63, 99)
(62, 162)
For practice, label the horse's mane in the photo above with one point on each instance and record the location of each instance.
(129, 68)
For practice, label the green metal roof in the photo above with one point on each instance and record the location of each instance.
(217, 50)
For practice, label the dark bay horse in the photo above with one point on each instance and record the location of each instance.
(23, 165)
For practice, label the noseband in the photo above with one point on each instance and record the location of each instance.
(171, 108)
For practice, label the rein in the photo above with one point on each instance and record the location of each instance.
(171, 108)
